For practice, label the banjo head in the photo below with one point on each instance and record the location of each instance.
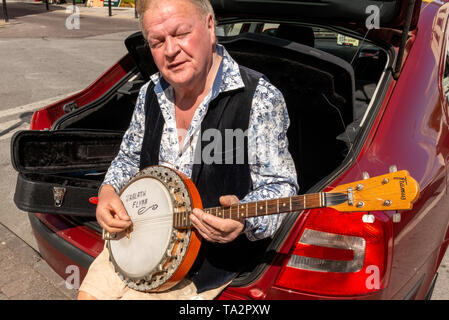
(153, 250)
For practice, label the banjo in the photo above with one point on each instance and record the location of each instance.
(161, 246)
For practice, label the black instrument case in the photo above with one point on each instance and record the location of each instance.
(60, 171)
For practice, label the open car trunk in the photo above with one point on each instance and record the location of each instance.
(61, 169)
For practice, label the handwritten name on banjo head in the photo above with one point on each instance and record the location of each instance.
(139, 200)
(163, 245)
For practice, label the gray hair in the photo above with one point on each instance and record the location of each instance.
(204, 7)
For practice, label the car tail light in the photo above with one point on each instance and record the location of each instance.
(338, 254)
(328, 252)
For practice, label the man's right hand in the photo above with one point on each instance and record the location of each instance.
(111, 214)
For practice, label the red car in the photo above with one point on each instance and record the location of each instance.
(376, 106)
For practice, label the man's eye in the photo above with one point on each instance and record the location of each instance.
(182, 35)
(155, 44)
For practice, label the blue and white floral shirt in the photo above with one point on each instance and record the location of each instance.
(272, 169)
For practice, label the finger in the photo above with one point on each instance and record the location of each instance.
(113, 230)
(215, 225)
(197, 219)
(120, 211)
(229, 200)
(201, 221)
(222, 230)
(199, 214)
(107, 227)
(204, 232)
(209, 223)
(106, 219)
(108, 199)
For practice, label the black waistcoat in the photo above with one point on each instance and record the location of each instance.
(216, 263)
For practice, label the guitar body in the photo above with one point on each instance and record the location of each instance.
(154, 256)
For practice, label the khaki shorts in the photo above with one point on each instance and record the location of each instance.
(103, 283)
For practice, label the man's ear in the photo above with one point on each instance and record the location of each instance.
(210, 23)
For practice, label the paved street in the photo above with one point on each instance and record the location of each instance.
(42, 61)
(24, 275)
(45, 59)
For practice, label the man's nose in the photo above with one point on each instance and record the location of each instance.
(171, 47)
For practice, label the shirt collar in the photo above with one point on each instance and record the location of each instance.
(228, 76)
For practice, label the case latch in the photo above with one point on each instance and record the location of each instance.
(58, 195)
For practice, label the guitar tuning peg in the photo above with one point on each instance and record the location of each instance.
(365, 175)
(393, 168)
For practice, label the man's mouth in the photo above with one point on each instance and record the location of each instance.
(175, 65)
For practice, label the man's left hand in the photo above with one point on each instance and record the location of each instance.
(216, 229)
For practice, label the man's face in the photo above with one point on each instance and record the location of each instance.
(181, 41)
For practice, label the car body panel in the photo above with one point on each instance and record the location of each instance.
(58, 253)
(87, 240)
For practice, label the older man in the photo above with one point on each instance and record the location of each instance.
(198, 87)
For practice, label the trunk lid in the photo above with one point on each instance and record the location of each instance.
(350, 14)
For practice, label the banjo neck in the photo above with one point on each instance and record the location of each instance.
(392, 191)
(265, 207)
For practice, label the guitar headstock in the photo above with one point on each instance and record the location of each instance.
(392, 191)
